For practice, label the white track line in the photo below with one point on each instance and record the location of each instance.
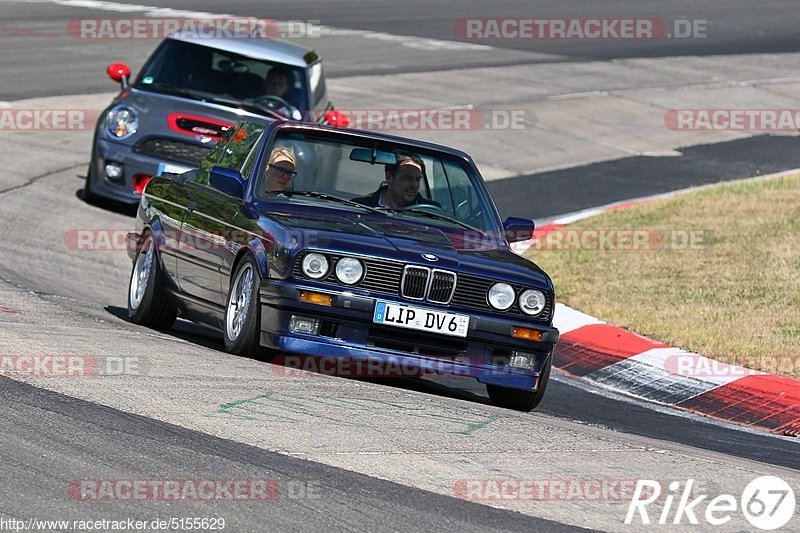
(418, 43)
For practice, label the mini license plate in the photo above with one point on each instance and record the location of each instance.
(169, 168)
(421, 319)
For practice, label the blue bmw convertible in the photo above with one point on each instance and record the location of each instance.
(301, 238)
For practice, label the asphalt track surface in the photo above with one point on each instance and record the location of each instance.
(94, 438)
(34, 47)
(548, 194)
(143, 448)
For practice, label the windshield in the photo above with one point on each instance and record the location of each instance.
(195, 69)
(433, 188)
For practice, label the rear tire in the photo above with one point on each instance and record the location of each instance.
(518, 399)
(148, 303)
(242, 325)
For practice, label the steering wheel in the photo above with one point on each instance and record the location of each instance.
(427, 206)
(277, 104)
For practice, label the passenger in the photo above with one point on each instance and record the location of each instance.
(280, 170)
(401, 189)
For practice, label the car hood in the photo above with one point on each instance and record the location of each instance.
(153, 109)
(407, 241)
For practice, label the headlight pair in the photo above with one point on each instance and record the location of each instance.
(531, 302)
(349, 270)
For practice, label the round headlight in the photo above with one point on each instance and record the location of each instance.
(501, 296)
(532, 302)
(315, 266)
(122, 121)
(349, 270)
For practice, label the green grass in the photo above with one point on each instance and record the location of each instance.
(735, 296)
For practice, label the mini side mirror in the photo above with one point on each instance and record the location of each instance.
(120, 73)
(337, 118)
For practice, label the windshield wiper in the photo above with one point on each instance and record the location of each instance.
(325, 196)
(167, 88)
(195, 94)
(436, 216)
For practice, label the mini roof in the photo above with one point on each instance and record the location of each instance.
(257, 48)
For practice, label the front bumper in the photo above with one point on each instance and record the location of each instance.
(133, 163)
(347, 331)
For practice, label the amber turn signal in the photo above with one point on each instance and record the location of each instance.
(528, 334)
(316, 298)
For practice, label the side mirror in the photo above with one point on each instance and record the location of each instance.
(337, 118)
(120, 73)
(518, 229)
(227, 181)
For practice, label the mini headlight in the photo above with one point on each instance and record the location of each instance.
(315, 265)
(532, 302)
(122, 121)
(349, 270)
(501, 296)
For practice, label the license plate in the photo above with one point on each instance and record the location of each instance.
(421, 319)
(171, 169)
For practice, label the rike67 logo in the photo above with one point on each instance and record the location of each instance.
(767, 502)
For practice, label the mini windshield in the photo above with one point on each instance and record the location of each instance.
(402, 181)
(193, 70)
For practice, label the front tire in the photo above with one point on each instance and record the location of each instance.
(88, 196)
(243, 310)
(518, 399)
(148, 303)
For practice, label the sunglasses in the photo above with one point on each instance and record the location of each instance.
(283, 172)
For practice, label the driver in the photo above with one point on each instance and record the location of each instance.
(401, 189)
(277, 82)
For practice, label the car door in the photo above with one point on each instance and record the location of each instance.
(206, 229)
(167, 200)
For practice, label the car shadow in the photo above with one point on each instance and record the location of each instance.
(183, 330)
(108, 205)
(457, 388)
(293, 366)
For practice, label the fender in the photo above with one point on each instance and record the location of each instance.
(257, 247)
(157, 230)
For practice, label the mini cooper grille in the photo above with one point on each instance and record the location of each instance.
(415, 281)
(173, 150)
(472, 291)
